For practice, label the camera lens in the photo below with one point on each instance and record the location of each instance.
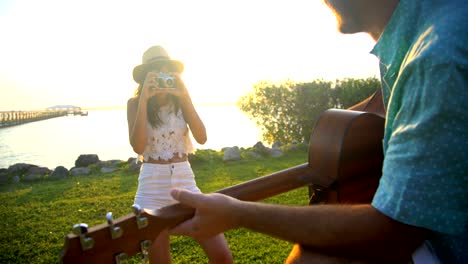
(169, 82)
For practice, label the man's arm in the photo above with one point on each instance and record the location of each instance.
(351, 231)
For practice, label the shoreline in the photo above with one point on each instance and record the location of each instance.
(86, 164)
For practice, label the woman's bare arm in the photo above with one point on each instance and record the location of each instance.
(136, 118)
(191, 115)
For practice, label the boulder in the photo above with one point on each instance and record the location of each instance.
(32, 177)
(277, 145)
(19, 168)
(108, 169)
(134, 164)
(36, 173)
(85, 160)
(109, 163)
(231, 154)
(260, 147)
(275, 152)
(4, 178)
(59, 173)
(38, 170)
(79, 171)
(253, 154)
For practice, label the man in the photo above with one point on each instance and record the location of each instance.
(420, 209)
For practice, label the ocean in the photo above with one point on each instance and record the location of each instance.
(59, 141)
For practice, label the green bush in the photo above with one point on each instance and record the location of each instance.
(288, 110)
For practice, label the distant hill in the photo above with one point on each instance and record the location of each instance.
(62, 106)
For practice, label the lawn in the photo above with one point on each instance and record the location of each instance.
(36, 216)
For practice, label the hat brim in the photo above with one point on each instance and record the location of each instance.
(140, 71)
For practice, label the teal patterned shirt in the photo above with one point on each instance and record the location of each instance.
(423, 55)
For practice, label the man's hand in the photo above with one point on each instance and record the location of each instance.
(215, 213)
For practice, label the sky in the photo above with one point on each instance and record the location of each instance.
(62, 52)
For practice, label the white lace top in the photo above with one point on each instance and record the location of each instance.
(169, 138)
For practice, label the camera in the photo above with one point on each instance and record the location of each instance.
(166, 81)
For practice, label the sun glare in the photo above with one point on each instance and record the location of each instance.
(84, 53)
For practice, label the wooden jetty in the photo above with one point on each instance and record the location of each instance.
(13, 118)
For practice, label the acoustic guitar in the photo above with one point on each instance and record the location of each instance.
(344, 166)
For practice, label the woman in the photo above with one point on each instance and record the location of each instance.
(159, 118)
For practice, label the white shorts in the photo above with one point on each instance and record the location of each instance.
(156, 180)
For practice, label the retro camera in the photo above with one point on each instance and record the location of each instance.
(166, 81)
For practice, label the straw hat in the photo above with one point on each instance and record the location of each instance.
(155, 56)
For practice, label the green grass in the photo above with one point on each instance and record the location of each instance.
(35, 217)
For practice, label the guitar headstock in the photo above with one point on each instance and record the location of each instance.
(131, 234)
(119, 239)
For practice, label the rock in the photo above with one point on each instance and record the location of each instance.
(79, 171)
(3, 178)
(38, 170)
(85, 160)
(260, 147)
(36, 173)
(134, 164)
(16, 179)
(275, 152)
(277, 145)
(252, 154)
(19, 168)
(32, 177)
(231, 154)
(59, 173)
(108, 163)
(108, 169)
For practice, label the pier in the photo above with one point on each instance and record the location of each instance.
(13, 118)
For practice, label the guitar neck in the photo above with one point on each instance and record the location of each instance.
(253, 190)
(169, 216)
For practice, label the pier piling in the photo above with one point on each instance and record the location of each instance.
(13, 118)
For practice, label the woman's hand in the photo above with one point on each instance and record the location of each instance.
(150, 85)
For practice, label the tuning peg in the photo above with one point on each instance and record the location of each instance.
(121, 258)
(115, 231)
(145, 246)
(142, 222)
(81, 230)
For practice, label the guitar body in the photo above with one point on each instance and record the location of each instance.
(346, 148)
(355, 168)
(344, 166)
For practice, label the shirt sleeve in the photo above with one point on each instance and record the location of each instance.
(424, 181)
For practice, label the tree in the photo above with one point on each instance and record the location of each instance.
(287, 111)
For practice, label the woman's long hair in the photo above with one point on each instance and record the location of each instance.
(153, 106)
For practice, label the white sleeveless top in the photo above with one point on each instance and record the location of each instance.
(170, 137)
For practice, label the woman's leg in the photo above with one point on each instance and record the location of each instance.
(217, 249)
(159, 251)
